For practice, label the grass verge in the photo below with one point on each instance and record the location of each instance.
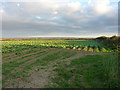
(91, 71)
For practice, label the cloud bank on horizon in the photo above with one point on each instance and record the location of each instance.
(59, 18)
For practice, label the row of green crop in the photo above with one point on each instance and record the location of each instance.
(84, 48)
(86, 45)
(53, 42)
(90, 48)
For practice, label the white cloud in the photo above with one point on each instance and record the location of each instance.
(74, 6)
(55, 12)
(100, 6)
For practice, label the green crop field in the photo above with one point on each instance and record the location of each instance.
(58, 64)
(87, 45)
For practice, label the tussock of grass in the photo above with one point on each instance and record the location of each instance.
(111, 67)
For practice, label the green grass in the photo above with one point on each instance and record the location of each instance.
(92, 71)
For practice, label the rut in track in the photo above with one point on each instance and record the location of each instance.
(41, 75)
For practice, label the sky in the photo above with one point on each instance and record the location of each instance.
(58, 18)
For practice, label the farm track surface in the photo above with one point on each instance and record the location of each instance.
(40, 75)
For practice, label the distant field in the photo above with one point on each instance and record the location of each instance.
(58, 63)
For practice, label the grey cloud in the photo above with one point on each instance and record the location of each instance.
(64, 21)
